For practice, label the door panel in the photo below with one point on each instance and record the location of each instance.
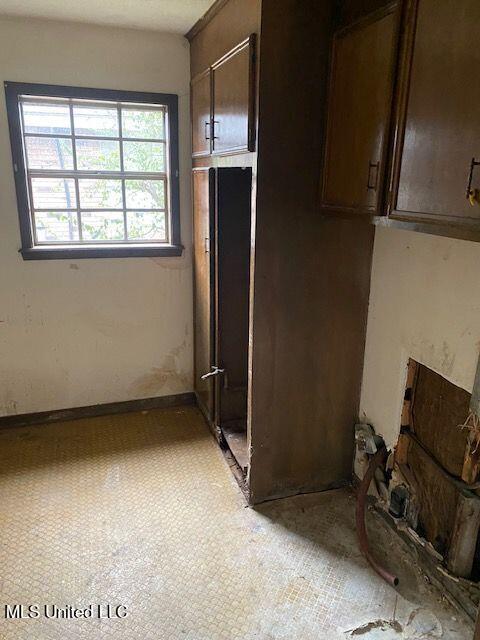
(232, 280)
(359, 107)
(203, 199)
(233, 100)
(201, 101)
(442, 118)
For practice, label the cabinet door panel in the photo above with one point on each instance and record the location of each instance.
(359, 108)
(233, 100)
(203, 200)
(442, 116)
(201, 101)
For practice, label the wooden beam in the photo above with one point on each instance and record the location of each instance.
(464, 536)
(471, 463)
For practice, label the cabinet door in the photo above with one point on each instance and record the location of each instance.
(203, 241)
(233, 100)
(359, 107)
(439, 130)
(201, 116)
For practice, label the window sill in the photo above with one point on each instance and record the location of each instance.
(104, 251)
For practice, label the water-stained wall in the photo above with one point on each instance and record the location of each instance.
(424, 304)
(76, 333)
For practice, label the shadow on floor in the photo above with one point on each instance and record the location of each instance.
(63, 443)
(338, 536)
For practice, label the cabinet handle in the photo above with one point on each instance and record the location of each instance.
(207, 124)
(214, 123)
(207, 245)
(473, 195)
(370, 186)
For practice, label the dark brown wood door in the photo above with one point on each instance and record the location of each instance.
(201, 114)
(203, 262)
(233, 97)
(440, 146)
(359, 107)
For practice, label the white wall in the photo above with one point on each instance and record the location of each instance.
(424, 304)
(80, 332)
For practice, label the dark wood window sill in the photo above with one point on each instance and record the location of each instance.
(76, 253)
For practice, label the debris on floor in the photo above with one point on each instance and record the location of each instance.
(141, 510)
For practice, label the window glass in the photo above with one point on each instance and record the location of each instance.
(96, 171)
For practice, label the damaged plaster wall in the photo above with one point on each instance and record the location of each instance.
(76, 333)
(424, 304)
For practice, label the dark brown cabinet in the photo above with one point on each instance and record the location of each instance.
(289, 298)
(233, 100)
(201, 114)
(359, 107)
(223, 101)
(436, 174)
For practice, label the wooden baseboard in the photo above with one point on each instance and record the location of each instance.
(111, 408)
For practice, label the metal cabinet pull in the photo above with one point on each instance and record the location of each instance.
(207, 124)
(214, 372)
(473, 195)
(214, 123)
(207, 245)
(370, 185)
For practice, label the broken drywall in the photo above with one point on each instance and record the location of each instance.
(424, 304)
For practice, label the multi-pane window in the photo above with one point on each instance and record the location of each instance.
(97, 172)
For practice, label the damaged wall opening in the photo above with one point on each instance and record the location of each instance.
(434, 481)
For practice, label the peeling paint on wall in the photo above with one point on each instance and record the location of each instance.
(169, 373)
(77, 333)
(424, 304)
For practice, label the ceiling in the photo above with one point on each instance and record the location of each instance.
(174, 16)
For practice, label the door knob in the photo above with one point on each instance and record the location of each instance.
(214, 372)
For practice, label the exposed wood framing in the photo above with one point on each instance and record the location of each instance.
(464, 536)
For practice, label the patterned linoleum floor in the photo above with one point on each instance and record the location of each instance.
(141, 510)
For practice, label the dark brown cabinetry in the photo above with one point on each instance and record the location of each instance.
(359, 106)
(437, 153)
(201, 115)
(223, 103)
(233, 100)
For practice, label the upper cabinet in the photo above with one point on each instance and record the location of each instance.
(201, 116)
(436, 171)
(359, 107)
(223, 104)
(233, 94)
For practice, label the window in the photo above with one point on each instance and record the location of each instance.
(96, 171)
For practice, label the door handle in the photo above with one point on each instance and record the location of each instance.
(214, 123)
(372, 165)
(214, 372)
(473, 195)
(207, 124)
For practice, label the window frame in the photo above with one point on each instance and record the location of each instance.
(29, 250)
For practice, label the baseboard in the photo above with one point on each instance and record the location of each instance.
(111, 408)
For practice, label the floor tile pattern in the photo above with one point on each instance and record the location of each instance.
(141, 510)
